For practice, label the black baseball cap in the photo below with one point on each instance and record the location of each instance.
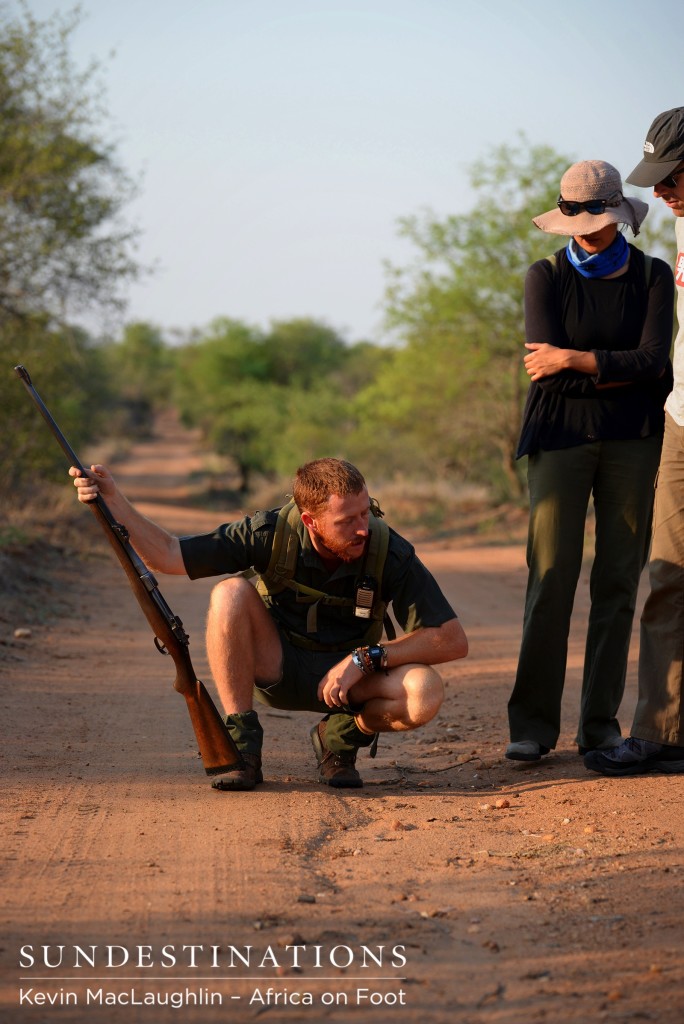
(663, 149)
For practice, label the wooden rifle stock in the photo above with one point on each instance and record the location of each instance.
(216, 746)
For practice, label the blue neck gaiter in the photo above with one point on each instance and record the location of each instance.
(600, 264)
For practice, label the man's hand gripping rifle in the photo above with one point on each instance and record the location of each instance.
(217, 749)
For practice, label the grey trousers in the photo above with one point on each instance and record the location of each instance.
(619, 475)
(659, 713)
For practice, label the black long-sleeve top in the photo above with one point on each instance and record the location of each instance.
(628, 327)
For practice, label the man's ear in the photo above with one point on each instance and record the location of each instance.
(307, 519)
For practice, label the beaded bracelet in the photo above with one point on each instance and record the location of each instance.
(358, 661)
(370, 659)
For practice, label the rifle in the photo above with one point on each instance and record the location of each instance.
(217, 749)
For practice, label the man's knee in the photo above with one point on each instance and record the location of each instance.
(424, 694)
(230, 595)
(409, 697)
(233, 597)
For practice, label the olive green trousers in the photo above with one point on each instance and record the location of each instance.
(619, 477)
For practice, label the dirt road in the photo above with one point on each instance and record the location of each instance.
(456, 886)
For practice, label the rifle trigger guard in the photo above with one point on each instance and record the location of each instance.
(160, 646)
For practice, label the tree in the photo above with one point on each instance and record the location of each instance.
(248, 428)
(70, 375)
(269, 401)
(455, 388)
(62, 244)
(141, 368)
(301, 351)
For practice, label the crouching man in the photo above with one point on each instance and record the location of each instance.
(307, 636)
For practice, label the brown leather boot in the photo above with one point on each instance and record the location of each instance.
(335, 767)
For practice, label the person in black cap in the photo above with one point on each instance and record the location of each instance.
(657, 739)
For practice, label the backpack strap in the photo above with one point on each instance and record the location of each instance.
(648, 266)
(285, 548)
(379, 544)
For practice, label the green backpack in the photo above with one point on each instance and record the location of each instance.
(282, 565)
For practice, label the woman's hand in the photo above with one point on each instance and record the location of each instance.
(544, 360)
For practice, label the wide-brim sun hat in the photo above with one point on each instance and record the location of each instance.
(587, 181)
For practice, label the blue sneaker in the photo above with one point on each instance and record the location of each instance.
(636, 757)
(607, 744)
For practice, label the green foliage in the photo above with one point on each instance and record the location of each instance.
(451, 396)
(70, 377)
(269, 400)
(302, 351)
(141, 371)
(247, 427)
(62, 245)
(211, 368)
(61, 191)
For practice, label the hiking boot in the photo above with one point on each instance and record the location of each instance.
(335, 767)
(525, 750)
(636, 757)
(241, 778)
(245, 729)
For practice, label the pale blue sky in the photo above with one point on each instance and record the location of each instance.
(278, 141)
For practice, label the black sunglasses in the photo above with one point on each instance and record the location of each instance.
(592, 206)
(671, 180)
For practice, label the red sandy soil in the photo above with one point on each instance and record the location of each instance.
(515, 893)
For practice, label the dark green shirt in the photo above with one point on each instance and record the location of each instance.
(412, 592)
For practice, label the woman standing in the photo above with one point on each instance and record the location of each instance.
(598, 323)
